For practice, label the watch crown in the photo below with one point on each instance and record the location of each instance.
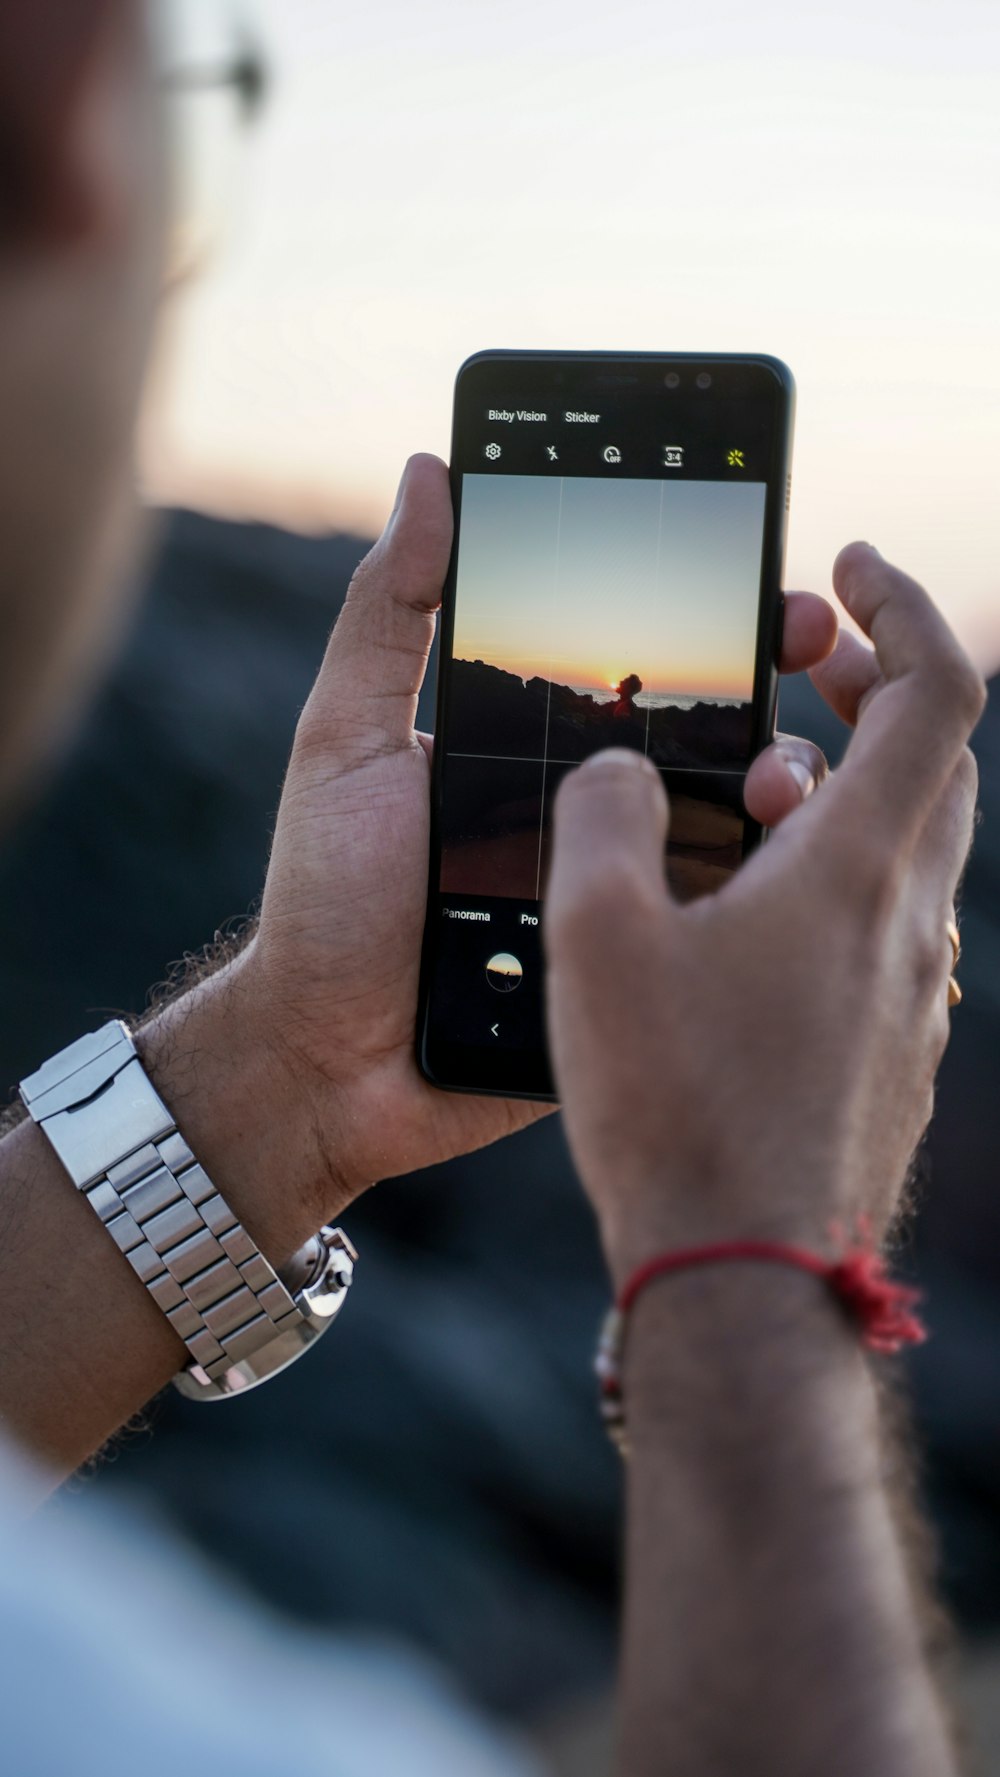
(326, 1293)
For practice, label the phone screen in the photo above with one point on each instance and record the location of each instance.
(614, 582)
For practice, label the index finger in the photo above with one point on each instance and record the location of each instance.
(915, 723)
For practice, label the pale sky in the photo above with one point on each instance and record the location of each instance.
(435, 178)
(584, 580)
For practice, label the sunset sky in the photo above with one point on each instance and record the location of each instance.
(584, 581)
(433, 177)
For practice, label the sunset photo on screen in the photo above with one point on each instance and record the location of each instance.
(592, 613)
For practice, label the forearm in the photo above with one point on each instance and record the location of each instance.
(771, 1625)
(84, 1345)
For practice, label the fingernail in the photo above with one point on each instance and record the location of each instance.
(400, 490)
(803, 777)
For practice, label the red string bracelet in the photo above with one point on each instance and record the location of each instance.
(884, 1310)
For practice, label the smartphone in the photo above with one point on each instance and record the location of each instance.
(615, 581)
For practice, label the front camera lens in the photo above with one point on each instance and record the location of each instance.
(703, 380)
(671, 380)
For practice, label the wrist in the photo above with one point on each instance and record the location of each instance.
(677, 1212)
(745, 1358)
(244, 1113)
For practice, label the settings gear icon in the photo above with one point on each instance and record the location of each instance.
(492, 451)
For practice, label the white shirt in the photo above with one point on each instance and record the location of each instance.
(121, 1655)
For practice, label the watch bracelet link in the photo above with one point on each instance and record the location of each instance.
(96, 1105)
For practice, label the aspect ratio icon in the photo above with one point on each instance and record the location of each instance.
(673, 456)
(612, 454)
(492, 452)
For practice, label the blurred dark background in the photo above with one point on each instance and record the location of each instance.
(437, 1469)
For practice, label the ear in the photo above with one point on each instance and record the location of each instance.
(53, 54)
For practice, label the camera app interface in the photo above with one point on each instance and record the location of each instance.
(606, 594)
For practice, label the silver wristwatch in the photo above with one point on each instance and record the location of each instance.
(239, 1319)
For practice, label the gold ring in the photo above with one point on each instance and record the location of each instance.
(954, 991)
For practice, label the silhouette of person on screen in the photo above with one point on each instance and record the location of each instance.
(626, 692)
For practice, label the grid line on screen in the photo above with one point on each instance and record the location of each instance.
(543, 758)
(656, 581)
(548, 703)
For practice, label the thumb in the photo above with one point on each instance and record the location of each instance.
(365, 698)
(607, 904)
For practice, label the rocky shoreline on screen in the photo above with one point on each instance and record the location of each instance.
(494, 712)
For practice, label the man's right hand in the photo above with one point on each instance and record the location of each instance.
(761, 1062)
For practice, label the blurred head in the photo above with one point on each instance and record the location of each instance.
(82, 215)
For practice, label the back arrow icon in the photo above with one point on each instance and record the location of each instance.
(495, 1028)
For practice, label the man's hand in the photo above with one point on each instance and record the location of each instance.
(330, 981)
(761, 1062)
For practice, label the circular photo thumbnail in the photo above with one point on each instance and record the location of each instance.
(504, 972)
